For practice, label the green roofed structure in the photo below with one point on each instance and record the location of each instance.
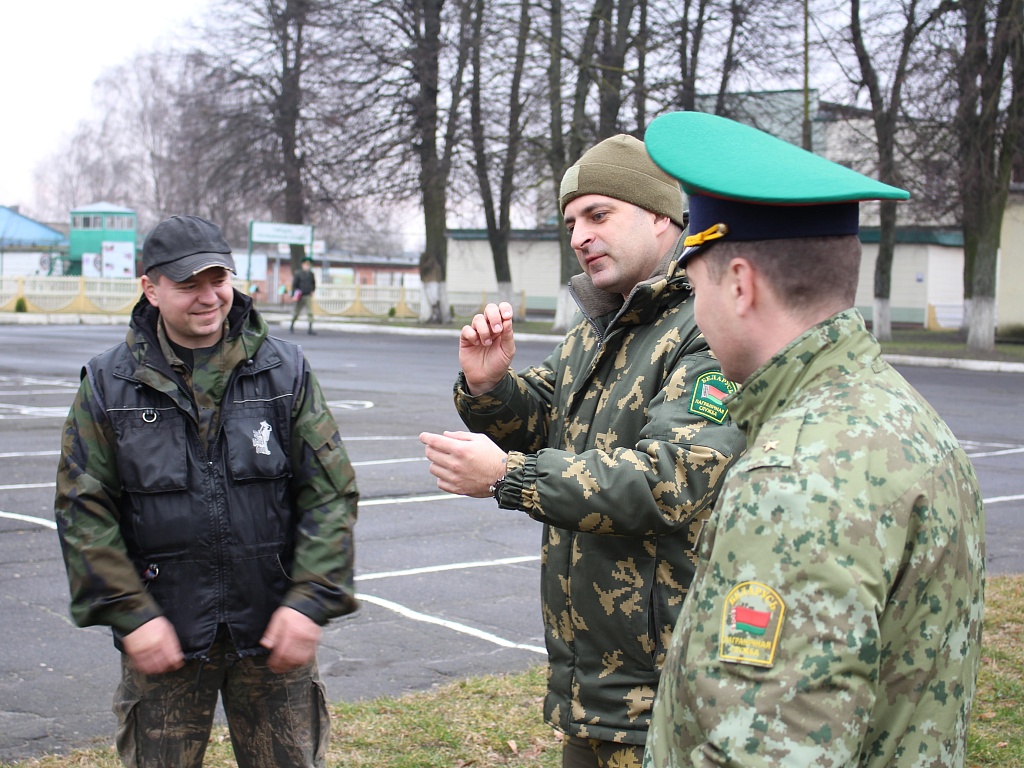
(102, 241)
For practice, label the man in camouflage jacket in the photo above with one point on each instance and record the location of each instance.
(836, 615)
(616, 443)
(205, 506)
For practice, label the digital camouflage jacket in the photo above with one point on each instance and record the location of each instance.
(836, 615)
(617, 443)
(211, 497)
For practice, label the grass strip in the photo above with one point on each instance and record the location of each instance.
(492, 721)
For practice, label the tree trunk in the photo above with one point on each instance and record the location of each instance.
(565, 310)
(430, 302)
(981, 333)
(882, 325)
(881, 319)
(506, 292)
(568, 265)
(989, 138)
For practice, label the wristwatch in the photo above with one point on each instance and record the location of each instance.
(495, 488)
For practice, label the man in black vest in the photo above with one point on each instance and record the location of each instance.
(205, 506)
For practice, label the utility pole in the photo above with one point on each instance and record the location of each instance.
(807, 79)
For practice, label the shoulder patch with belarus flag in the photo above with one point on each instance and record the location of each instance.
(709, 391)
(751, 624)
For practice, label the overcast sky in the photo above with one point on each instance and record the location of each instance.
(51, 53)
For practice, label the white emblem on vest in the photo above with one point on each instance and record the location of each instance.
(260, 437)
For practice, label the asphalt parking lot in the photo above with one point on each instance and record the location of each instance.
(448, 585)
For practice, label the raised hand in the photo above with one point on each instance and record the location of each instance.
(486, 347)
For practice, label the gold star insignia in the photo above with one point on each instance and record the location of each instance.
(771, 445)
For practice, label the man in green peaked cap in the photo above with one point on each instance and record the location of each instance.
(835, 617)
(616, 443)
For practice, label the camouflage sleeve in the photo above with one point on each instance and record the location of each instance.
(783, 630)
(656, 486)
(105, 586)
(326, 501)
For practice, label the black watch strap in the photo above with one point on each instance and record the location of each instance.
(495, 489)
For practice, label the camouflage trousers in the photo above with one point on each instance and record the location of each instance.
(594, 753)
(304, 304)
(275, 721)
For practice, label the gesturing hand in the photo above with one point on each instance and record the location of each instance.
(486, 347)
(464, 462)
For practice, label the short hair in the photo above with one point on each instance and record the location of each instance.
(805, 272)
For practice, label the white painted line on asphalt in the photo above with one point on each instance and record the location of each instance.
(997, 499)
(995, 453)
(29, 519)
(25, 486)
(20, 454)
(399, 609)
(20, 392)
(408, 613)
(360, 438)
(386, 461)
(11, 410)
(449, 567)
(409, 500)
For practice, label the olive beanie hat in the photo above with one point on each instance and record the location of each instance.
(620, 167)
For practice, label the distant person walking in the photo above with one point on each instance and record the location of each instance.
(303, 287)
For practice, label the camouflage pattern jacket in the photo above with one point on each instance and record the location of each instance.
(211, 497)
(836, 615)
(617, 443)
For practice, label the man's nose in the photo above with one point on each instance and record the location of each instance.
(581, 237)
(208, 294)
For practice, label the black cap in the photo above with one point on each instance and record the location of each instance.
(183, 246)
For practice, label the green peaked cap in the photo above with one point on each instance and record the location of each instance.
(745, 184)
(715, 156)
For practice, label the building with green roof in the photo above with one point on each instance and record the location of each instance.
(99, 232)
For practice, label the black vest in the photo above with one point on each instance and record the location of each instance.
(211, 531)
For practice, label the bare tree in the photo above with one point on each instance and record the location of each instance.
(407, 70)
(504, 152)
(269, 96)
(909, 21)
(990, 82)
(568, 141)
(690, 36)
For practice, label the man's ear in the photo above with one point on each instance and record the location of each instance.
(661, 223)
(743, 285)
(149, 291)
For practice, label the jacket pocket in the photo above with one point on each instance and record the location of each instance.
(151, 449)
(256, 446)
